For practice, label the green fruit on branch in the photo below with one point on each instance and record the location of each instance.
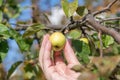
(85, 40)
(57, 40)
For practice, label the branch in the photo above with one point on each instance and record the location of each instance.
(110, 19)
(105, 9)
(91, 21)
(101, 44)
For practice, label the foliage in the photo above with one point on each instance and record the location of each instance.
(87, 53)
(70, 8)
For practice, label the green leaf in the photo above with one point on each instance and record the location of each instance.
(13, 68)
(29, 68)
(82, 49)
(69, 8)
(0, 60)
(74, 34)
(37, 70)
(3, 49)
(4, 33)
(107, 40)
(13, 10)
(41, 33)
(1, 16)
(77, 45)
(1, 1)
(3, 28)
(85, 53)
(33, 29)
(19, 39)
(82, 10)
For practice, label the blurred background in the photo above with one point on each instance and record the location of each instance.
(22, 13)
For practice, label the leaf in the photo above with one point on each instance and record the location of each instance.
(3, 49)
(77, 45)
(4, 33)
(82, 10)
(82, 49)
(19, 39)
(13, 68)
(74, 34)
(0, 60)
(92, 45)
(33, 29)
(77, 68)
(37, 70)
(29, 68)
(1, 16)
(69, 8)
(13, 10)
(1, 1)
(3, 28)
(108, 40)
(84, 54)
(40, 34)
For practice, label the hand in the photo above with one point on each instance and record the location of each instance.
(57, 69)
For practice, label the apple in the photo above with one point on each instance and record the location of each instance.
(85, 40)
(57, 40)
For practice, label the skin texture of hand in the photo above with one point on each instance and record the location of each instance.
(57, 69)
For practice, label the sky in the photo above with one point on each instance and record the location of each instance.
(14, 53)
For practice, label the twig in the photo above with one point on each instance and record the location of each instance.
(101, 44)
(110, 19)
(105, 9)
(71, 19)
(21, 25)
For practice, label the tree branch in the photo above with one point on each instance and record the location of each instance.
(105, 9)
(110, 19)
(101, 44)
(91, 21)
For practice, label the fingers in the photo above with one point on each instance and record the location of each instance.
(58, 58)
(42, 50)
(46, 58)
(60, 66)
(69, 54)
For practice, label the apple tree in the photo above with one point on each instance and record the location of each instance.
(94, 32)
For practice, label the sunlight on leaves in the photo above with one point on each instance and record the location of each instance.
(74, 34)
(107, 40)
(69, 7)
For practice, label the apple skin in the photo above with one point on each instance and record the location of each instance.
(58, 41)
(85, 40)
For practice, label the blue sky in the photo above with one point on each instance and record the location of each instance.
(14, 53)
(44, 5)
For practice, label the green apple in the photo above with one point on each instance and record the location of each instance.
(85, 40)
(57, 40)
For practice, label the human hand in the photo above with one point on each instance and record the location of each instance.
(57, 69)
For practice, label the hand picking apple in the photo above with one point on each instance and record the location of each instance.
(57, 69)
